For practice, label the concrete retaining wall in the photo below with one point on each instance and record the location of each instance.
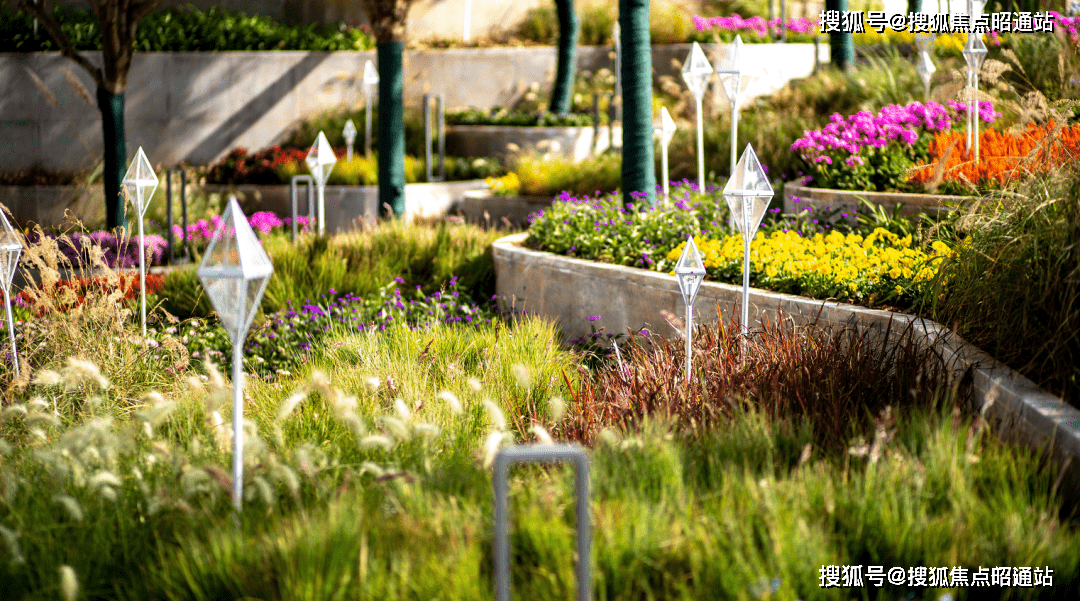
(568, 290)
(577, 143)
(195, 107)
(353, 206)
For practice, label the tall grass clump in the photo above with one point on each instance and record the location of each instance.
(548, 176)
(93, 322)
(1012, 285)
(834, 378)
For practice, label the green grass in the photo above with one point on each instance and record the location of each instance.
(352, 494)
(359, 263)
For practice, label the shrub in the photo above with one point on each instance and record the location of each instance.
(539, 176)
(507, 117)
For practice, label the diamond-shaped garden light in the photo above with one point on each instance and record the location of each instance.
(730, 70)
(747, 193)
(371, 76)
(974, 54)
(925, 68)
(689, 271)
(666, 128)
(925, 41)
(235, 271)
(974, 51)
(350, 136)
(140, 184)
(10, 250)
(320, 160)
(696, 71)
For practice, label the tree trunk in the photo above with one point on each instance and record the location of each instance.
(562, 94)
(841, 46)
(391, 145)
(115, 151)
(638, 170)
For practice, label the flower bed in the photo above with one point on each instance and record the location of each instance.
(751, 30)
(880, 267)
(1004, 158)
(262, 222)
(119, 251)
(288, 337)
(67, 295)
(872, 262)
(877, 152)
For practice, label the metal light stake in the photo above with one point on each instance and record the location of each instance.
(350, 136)
(235, 271)
(666, 129)
(696, 72)
(140, 182)
(10, 251)
(320, 161)
(689, 271)
(371, 79)
(747, 193)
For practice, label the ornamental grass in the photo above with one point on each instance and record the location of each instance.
(879, 267)
(1005, 158)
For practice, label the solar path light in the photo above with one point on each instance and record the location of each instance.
(234, 272)
(350, 136)
(925, 64)
(371, 79)
(689, 271)
(747, 193)
(734, 83)
(696, 72)
(666, 129)
(974, 54)
(320, 161)
(140, 183)
(10, 250)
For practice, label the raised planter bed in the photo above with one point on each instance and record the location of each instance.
(504, 141)
(481, 206)
(569, 290)
(849, 202)
(350, 206)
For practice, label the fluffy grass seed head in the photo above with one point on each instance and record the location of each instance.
(289, 404)
(557, 408)
(376, 441)
(79, 371)
(522, 375)
(474, 384)
(69, 583)
(491, 447)
(452, 400)
(542, 434)
(496, 414)
(395, 427)
(402, 410)
(71, 506)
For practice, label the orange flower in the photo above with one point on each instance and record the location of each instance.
(1004, 158)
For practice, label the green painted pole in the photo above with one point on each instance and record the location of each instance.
(112, 122)
(841, 46)
(563, 93)
(638, 168)
(391, 143)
